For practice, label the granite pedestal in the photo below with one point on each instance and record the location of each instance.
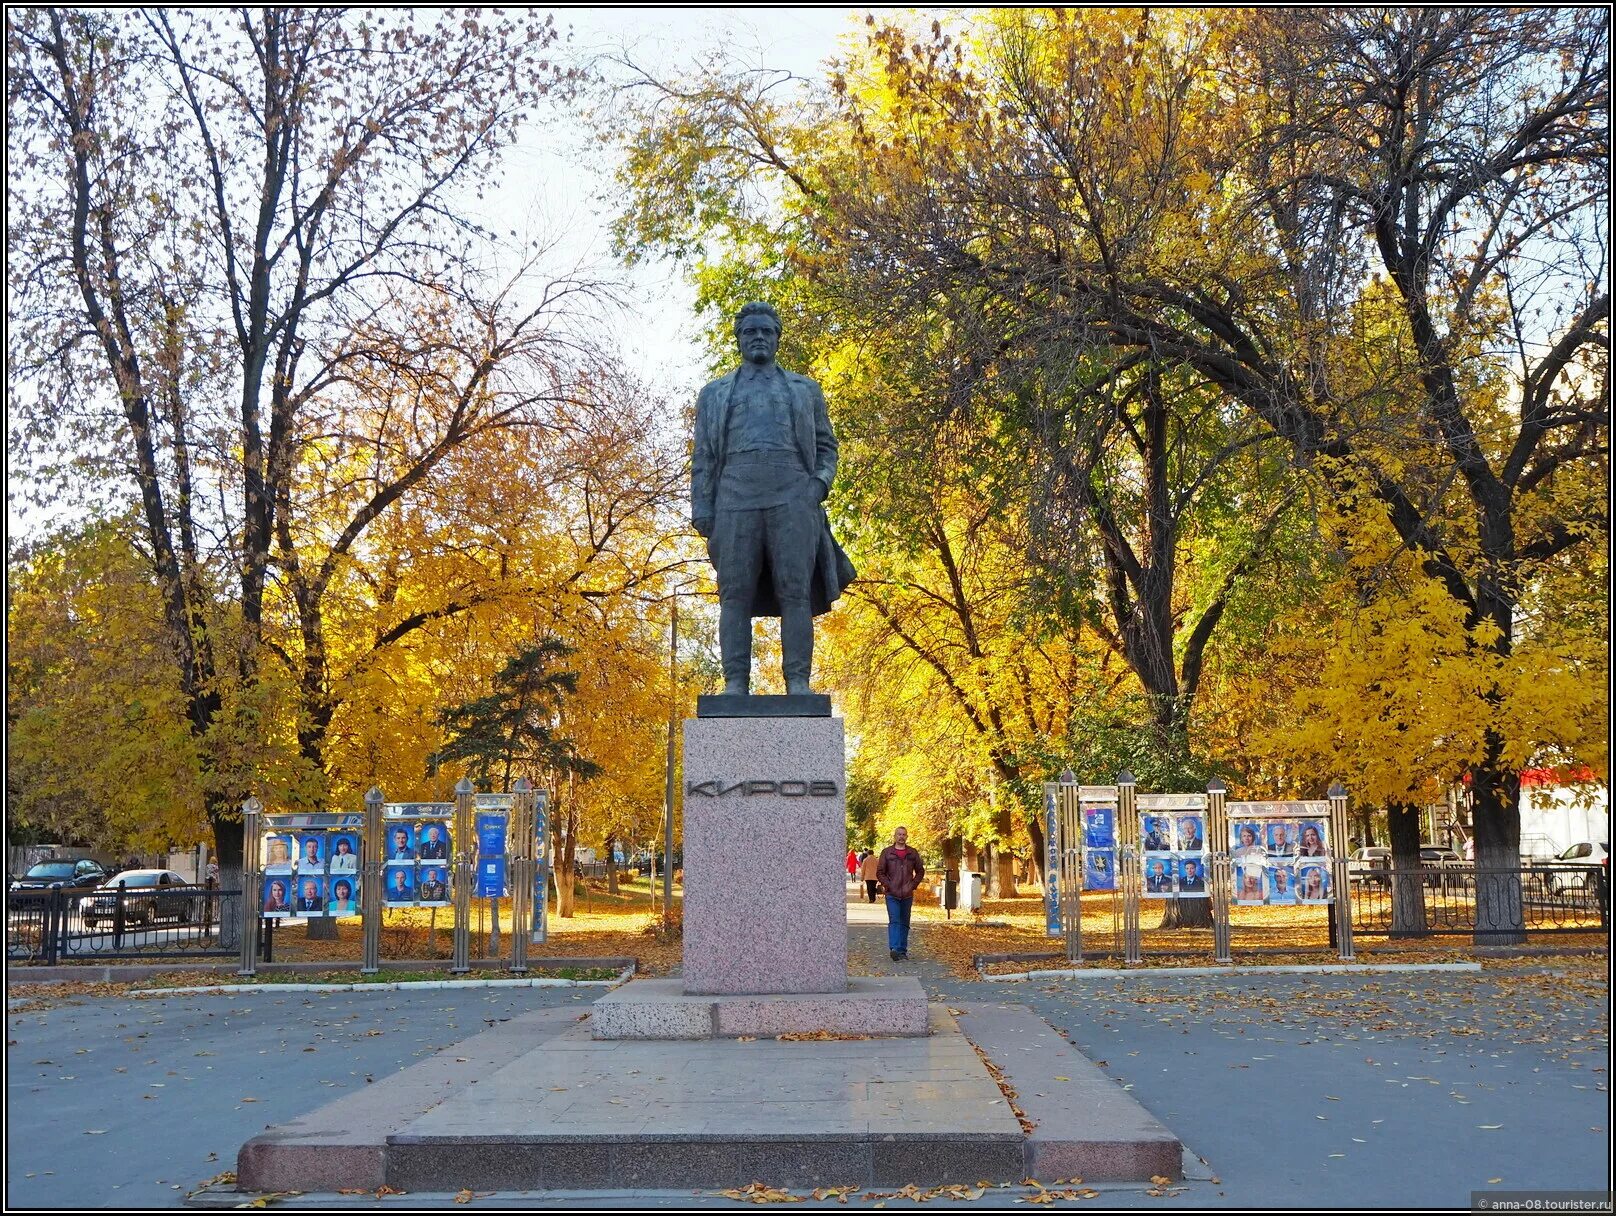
(765, 810)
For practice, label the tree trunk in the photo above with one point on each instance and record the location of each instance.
(227, 849)
(1005, 826)
(1500, 911)
(1187, 914)
(611, 864)
(1408, 881)
(565, 854)
(1035, 832)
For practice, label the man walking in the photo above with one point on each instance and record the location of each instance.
(899, 872)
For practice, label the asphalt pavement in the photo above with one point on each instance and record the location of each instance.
(1297, 1090)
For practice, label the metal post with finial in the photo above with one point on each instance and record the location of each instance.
(250, 812)
(1070, 822)
(1222, 892)
(1128, 871)
(370, 883)
(1342, 907)
(465, 796)
(519, 848)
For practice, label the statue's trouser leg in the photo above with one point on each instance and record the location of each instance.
(737, 551)
(793, 537)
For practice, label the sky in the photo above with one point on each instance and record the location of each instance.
(556, 184)
(559, 187)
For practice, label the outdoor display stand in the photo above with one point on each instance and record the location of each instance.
(1190, 846)
(313, 869)
(1079, 835)
(1284, 853)
(401, 854)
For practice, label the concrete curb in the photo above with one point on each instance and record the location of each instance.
(1230, 970)
(227, 971)
(400, 986)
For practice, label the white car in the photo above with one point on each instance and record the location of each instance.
(1585, 853)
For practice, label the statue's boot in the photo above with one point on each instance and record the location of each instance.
(735, 645)
(796, 644)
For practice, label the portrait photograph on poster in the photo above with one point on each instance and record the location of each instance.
(1158, 834)
(399, 887)
(1246, 842)
(1159, 875)
(277, 896)
(1099, 871)
(1313, 884)
(1191, 834)
(1313, 839)
(432, 838)
(1100, 827)
(433, 887)
(1281, 884)
(278, 853)
(345, 853)
(342, 901)
(1191, 876)
(310, 896)
(400, 842)
(1281, 838)
(1248, 882)
(311, 851)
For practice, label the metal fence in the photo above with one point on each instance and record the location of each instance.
(55, 926)
(1473, 900)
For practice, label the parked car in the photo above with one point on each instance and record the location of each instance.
(1586, 853)
(80, 875)
(149, 895)
(1369, 867)
(1436, 858)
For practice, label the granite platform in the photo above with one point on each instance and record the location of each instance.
(662, 1009)
(539, 1104)
(789, 705)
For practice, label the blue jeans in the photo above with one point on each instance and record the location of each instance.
(898, 923)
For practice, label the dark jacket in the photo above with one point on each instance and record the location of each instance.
(899, 876)
(816, 446)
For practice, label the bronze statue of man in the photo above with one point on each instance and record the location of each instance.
(764, 460)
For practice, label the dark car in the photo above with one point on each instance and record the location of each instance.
(149, 895)
(67, 874)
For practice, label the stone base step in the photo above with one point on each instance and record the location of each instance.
(662, 1009)
(533, 1106)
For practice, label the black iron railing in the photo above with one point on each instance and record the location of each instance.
(1467, 899)
(54, 926)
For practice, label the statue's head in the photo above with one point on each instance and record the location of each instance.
(757, 332)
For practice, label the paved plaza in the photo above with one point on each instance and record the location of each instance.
(1301, 1091)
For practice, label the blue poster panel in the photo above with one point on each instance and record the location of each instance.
(491, 828)
(344, 897)
(1052, 914)
(1100, 827)
(432, 884)
(277, 895)
(310, 899)
(400, 843)
(432, 840)
(490, 877)
(398, 888)
(344, 853)
(1099, 870)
